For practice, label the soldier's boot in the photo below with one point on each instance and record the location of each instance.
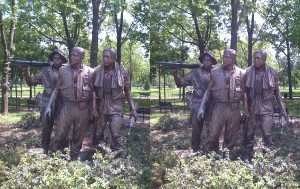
(116, 146)
(45, 149)
(268, 142)
(195, 147)
(74, 156)
(98, 139)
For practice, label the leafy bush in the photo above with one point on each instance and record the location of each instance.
(30, 120)
(10, 155)
(147, 85)
(170, 121)
(265, 171)
(39, 171)
(162, 159)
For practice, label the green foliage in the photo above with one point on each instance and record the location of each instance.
(10, 155)
(147, 85)
(265, 171)
(30, 120)
(60, 22)
(39, 171)
(170, 121)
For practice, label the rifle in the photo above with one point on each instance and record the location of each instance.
(131, 125)
(178, 65)
(282, 122)
(29, 63)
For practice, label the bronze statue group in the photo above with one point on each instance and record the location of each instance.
(74, 92)
(217, 95)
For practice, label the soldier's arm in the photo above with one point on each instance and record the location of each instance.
(176, 77)
(186, 81)
(279, 97)
(208, 90)
(94, 98)
(128, 94)
(53, 96)
(245, 98)
(32, 81)
(205, 98)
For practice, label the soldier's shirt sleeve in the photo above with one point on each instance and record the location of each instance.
(127, 82)
(38, 77)
(243, 78)
(187, 80)
(276, 81)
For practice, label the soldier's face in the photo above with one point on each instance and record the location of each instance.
(228, 59)
(108, 59)
(207, 61)
(75, 57)
(258, 60)
(57, 60)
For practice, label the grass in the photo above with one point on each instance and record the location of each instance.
(13, 117)
(172, 95)
(170, 133)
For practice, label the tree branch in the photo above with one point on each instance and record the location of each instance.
(43, 34)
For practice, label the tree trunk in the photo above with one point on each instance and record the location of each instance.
(234, 24)
(119, 30)
(289, 69)
(159, 89)
(96, 21)
(95, 32)
(164, 86)
(250, 31)
(7, 54)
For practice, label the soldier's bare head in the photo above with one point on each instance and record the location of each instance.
(259, 60)
(80, 51)
(111, 51)
(229, 57)
(109, 58)
(77, 56)
(263, 54)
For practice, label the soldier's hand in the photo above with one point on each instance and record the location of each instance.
(95, 114)
(133, 114)
(24, 68)
(283, 112)
(200, 113)
(247, 114)
(47, 111)
(175, 71)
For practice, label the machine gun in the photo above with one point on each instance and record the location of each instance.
(178, 65)
(29, 63)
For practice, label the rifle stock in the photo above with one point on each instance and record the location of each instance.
(29, 63)
(178, 65)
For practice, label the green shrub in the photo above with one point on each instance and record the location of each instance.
(40, 171)
(265, 171)
(29, 120)
(10, 155)
(147, 85)
(171, 121)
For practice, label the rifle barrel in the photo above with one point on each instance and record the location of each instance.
(29, 63)
(178, 65)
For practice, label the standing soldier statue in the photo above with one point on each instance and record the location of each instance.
(74, 87)
(226, 89)
(262, 87)
(198, 78)
(112, 85)
(48, 77)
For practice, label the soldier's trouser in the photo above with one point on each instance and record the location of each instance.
(47, 124)
(115, 124)
(76, 114)
(266, 123)
(223, 116)
(197, 127)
